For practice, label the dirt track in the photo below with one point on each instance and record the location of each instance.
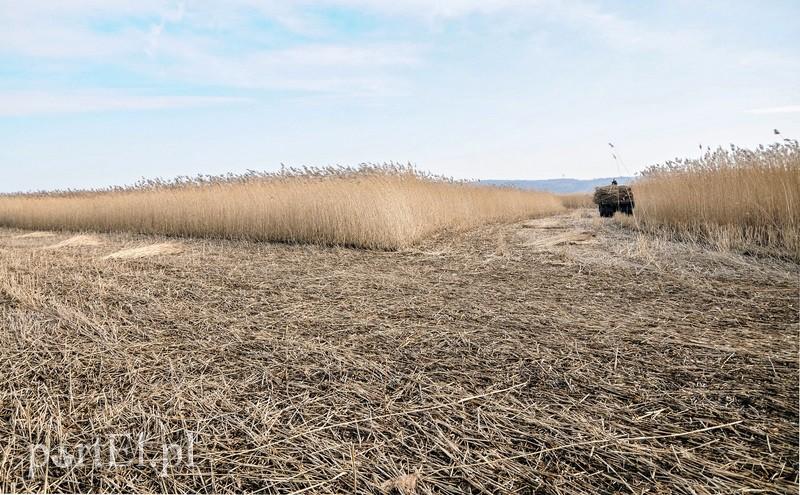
(543, 355)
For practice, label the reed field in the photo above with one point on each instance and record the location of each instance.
(384, 207)
(472, 348)
(546, 306)
(576, 200)
(562, 354)
(730, 198)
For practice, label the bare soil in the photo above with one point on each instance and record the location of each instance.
(560, 355)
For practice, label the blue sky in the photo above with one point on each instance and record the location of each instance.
(102, 92)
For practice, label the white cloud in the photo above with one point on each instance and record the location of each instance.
(774, 110)
(22, 103)
(63, 30)
(334, 68)
(436, 8)
(204, 42)
(154, 35)
(198, 43)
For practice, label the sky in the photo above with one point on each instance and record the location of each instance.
(105, 92)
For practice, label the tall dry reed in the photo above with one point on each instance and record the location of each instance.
(732, 198)
(371, 207)
(576, 200)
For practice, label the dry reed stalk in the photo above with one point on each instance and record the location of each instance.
(34, 235)
(372, 208)
(77, 241)
(612, 194)
(147, 251)
(734, 199)
(587, 368)
(576, 200)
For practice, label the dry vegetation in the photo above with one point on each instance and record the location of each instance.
(373, 207)
(576, 200)
(565, 355)
(560, 355)
(737, 198)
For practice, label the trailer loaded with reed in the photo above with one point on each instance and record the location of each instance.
(614, 198)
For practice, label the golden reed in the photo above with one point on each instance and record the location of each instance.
(382, 207)
(732, 198)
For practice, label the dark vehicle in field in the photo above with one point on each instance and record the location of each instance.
(614, 198)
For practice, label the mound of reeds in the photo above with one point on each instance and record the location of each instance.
(383, 207)
(613, 194)
(731, 198)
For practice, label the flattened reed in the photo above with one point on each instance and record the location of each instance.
(469, 364)
(383, 207)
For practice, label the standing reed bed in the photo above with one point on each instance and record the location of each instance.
(381, 207)
(576, 200)
(733, 199)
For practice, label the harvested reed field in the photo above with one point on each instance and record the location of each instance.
(383, 207)
(561, 355)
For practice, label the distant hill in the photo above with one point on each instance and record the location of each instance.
(559, 186)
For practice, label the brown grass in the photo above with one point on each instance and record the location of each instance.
(385, 208)
(733, 199)
(469, 364)
(576, 200)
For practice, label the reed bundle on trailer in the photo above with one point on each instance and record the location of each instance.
(613, 194)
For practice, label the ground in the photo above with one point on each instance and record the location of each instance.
(559, 355)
